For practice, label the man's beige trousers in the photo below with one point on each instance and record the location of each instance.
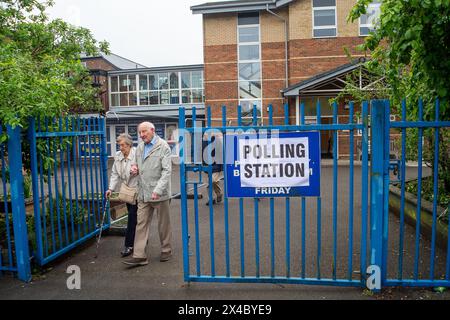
(144, 220)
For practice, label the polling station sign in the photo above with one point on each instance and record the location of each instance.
(281, 165)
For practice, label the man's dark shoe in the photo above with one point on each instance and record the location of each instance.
(214, 202)
(126, 252)
(219, 199)
(135, 262)
(165, 256)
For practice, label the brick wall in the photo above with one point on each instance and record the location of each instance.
(272, 28)
(307, 56)
(219, 29)
(301, 19)
(101, 64)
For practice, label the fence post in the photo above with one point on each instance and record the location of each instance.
(184, 222)
(104, 164)
(18, 203)
(37, 205)
(377, 196)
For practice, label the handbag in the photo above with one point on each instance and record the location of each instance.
(127, 194)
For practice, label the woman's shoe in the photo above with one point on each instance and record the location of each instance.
(126, 252)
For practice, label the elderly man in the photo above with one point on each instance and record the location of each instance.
(154, 166)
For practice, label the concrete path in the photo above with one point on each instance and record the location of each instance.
(107, 278)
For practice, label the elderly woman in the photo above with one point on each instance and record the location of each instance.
(121, 173)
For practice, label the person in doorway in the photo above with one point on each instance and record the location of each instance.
(212, 154)
(121, 174)
(153, 166)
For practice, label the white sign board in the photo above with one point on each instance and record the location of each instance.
(274, 162)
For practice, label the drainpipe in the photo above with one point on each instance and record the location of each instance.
(285, 42)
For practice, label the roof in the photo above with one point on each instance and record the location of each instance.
(238, 6)
(117, 61)
(321, 78)
(192, 67)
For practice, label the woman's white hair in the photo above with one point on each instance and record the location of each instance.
(125, 138)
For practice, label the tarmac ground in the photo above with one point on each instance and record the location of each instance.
(106, 277)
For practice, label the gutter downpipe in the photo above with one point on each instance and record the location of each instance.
(285, 42)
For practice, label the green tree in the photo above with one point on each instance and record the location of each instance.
(40, 68)
(411, 43)
(409, 50)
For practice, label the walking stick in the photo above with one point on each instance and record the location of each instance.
(101, 227)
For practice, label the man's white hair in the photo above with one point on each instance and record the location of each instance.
(147, 124)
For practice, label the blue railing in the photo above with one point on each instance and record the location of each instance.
(68, 163)
(430, 265)
(244, 244)
(14, 249)
(69, 189)
(332, 239)
(7, 255)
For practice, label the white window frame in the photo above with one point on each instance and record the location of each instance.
(324, 27)
(260, 100)
(123, 92)
(181, 89)
(113, 143)
(139, 92)
(369, 25)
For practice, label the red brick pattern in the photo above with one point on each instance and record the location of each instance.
(271, 89)
(273, 50)
(302, 68)
(274, 69)
(221, 90)
(223, 53)
(101, 64)
(221, 72)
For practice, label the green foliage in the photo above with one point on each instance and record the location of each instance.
(443, 199)
(40, 68)
(51, 214)
(410, 49)
(27, 186)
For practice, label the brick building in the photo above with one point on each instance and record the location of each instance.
(132, 93)
(100, 65)
(256, 52)
(261, 52)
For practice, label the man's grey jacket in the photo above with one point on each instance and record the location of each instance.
(154, 171)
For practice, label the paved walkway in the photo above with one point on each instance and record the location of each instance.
(107, 278)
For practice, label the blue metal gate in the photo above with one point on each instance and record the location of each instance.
(414, 260)
(69, 189)
(290, 240)
(68, 162)
(14, 250)
(335, 239)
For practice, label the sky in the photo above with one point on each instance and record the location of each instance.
(152, 33)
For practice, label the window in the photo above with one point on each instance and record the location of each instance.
(123, 91)
(113, 131)
(368, 21)
(249, 71)
(324, 18)
(249, 89)
(248, 18)
(108, 140)
(249, 34)
(249, 52)
(192, 87)
(249, 55)
(164, 88)
(153, 86)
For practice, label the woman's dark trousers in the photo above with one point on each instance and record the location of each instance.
(131, 227)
